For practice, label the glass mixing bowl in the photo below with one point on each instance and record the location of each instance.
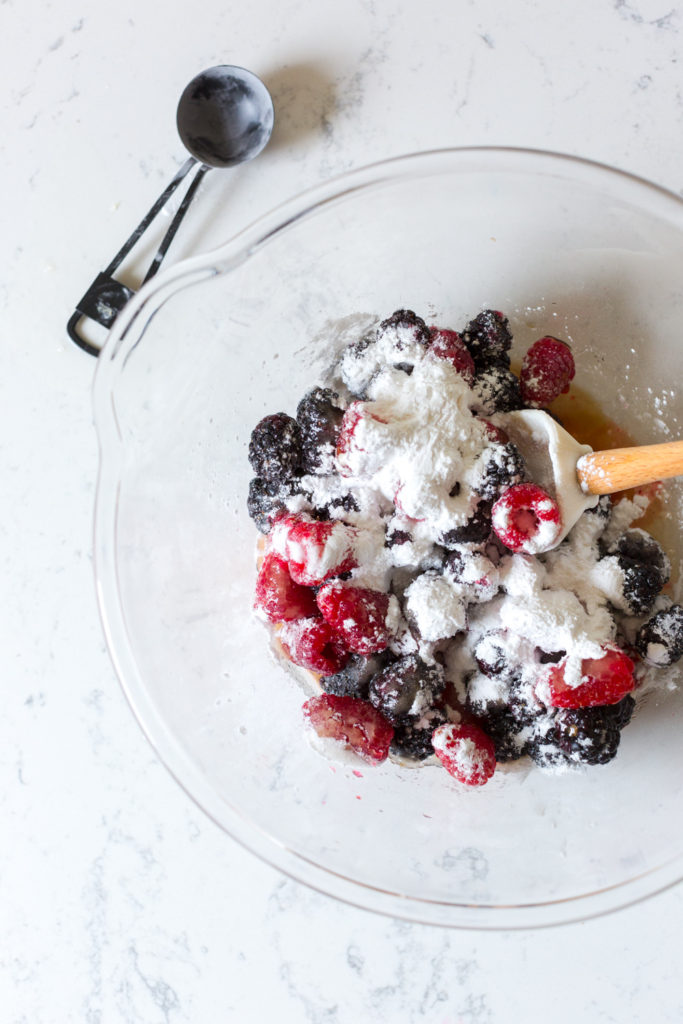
(203, 352)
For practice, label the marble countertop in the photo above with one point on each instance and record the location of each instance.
(119, 900)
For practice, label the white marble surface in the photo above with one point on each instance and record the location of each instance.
(119, 901)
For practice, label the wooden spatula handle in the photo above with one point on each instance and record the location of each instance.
(621, 468)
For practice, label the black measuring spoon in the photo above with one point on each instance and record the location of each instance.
(224, 118)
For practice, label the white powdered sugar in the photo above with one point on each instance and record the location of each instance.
(415, 464)
(436, 608)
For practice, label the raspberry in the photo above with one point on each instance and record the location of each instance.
(489, 339)
(494, 433)
(526, 519)
(316, 551)
(278, 596)
(660, 641)
(466, 752)
(320, 422)
(275, 447)
(313, 644)
(358, 614)
(407, 689)
(604, 680)
(547, 369)
(449, 345)
(354, 454)
(353, 722)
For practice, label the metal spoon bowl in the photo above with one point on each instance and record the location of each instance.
(224, 118)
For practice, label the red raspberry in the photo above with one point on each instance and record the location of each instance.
(317, 551)
(313, 644)
(604, 680)
(278, 595)
(466, 752)
(547, 369)
(526, 519)
(350, 452)
(358, 614)
(449, 345)
(353, 722)
(495, 433)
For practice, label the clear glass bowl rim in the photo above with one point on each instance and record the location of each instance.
(128, 331)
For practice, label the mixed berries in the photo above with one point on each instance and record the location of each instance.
(398, 624)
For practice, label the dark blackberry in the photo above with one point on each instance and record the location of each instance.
(641, 584)
(620, 714)
(476, 530)
(490, 656)
(405, 318)
(393, 538)
(353, 679)
(347, 502)
(660, 641)
(587, 735)
(638, 546)
(499, 466)
(413, 737)
(549, 657)
(603, 509)
(319, 421)
(544, 751)
(406, 689)
(488, 339)
(267, 499)
(275, 447)
(498, 391)
(505, 731)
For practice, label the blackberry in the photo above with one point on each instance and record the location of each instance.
(641, 585)
(275, 447)
(406, 319)
(638, 546)
(347, 502)
(550, 657)
(354, 678)
(488, 339)
(406, 689)
(603, 509)
(591, 735)
(505, 731)
(319, 421)
(489, 654)
(660, 641)
(499, 466)
(476, 530)
(395, 537)
(544, 751)
(267, 498)
(498, 391)
(413, 737)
